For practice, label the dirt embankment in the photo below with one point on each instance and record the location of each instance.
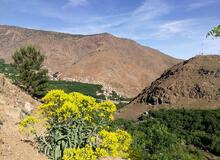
(14, 104)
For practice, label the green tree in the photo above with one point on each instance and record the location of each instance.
(32, 77)
(215, 32)
(152, 140)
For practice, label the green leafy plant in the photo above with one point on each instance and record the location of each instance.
(75, 124)
(215, 32)
(62, 136)
(28, 62)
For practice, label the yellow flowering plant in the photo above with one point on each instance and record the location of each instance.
(62, 106)
(28, 125)
(116, 144)
(86, 153)
(108, 144)
(77, 128)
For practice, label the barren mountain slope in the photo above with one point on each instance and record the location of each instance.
(117, 63)
(194, 83)
(13, 104)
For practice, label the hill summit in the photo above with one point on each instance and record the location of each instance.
(117, 63)
(195, 79)
(194, 83)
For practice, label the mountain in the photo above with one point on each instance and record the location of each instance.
(194, 83)
(14, 105)
(119, 64)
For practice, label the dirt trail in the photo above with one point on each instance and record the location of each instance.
(12, 104)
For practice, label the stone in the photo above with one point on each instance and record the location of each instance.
(28, 108)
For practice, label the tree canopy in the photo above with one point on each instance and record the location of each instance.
(32, 77)
(215, 32)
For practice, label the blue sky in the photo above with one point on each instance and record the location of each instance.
(175, 27)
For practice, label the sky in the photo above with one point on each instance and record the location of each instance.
(175, 27)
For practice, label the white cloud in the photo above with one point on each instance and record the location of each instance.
(201, 4)
(75, 3)
(135, 24)
(151, 9)
(176, 28)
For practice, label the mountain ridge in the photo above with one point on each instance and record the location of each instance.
(118, 64)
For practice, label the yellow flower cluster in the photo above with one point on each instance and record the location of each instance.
(27, 126)
(116, 144)
(85, 153)
(112, 144)
(63, 106)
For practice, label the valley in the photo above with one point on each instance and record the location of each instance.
(104, 97)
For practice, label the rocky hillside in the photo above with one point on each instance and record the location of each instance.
(194, 83)
(197, 78)
(14, 105)
(117, 63)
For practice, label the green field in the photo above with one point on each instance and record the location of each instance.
(85, 88)
(94, 90)
(8, 70)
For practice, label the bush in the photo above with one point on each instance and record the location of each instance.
(76, 124)
(115, 144)
(31, 76)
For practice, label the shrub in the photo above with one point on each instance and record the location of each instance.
(114, 144)
(31, 76)
(76, 124)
